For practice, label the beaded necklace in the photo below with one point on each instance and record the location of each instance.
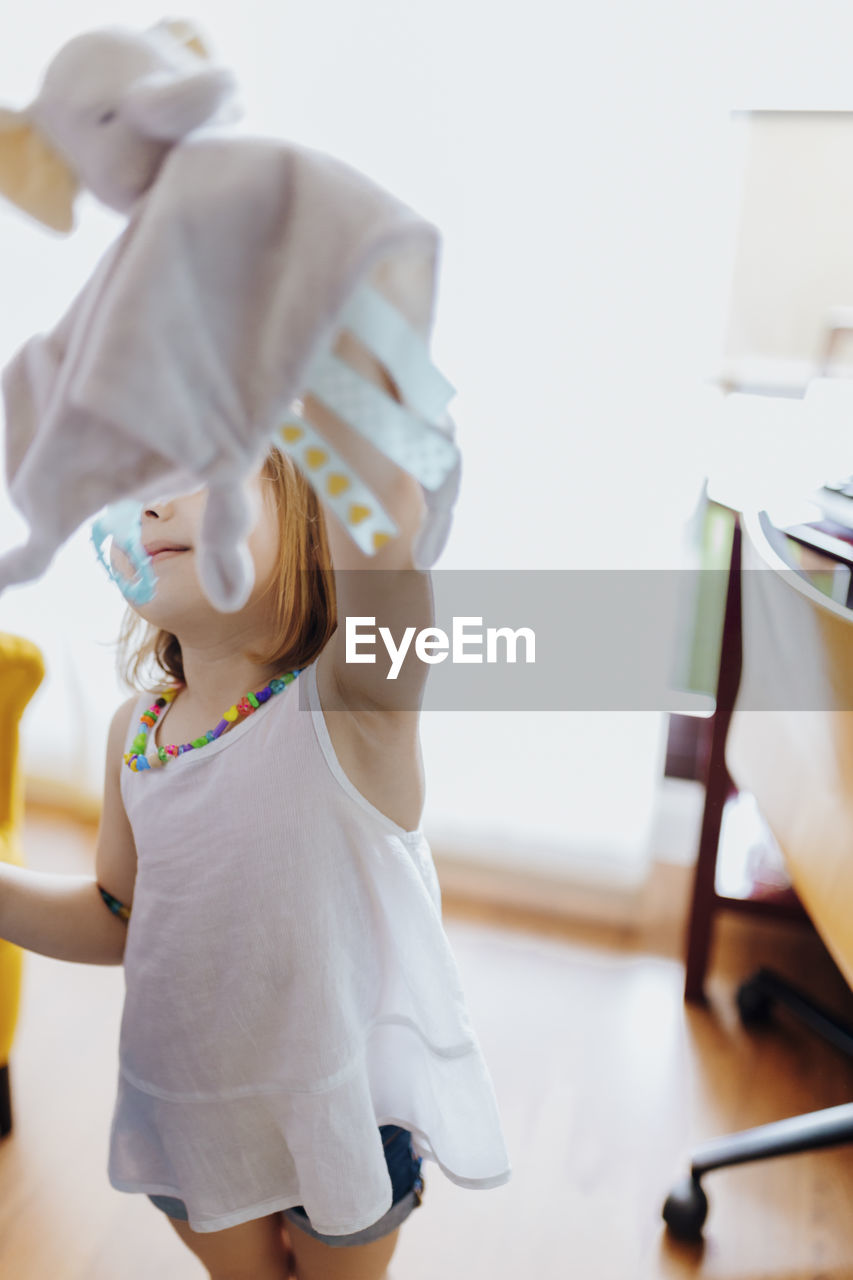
(137, 760)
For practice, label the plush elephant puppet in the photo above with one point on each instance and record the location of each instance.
(202, 323)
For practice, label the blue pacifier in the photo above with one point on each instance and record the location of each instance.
(120, 526)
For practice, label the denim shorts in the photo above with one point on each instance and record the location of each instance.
(407, 1188)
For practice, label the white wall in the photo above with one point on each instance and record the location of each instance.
(575, 159)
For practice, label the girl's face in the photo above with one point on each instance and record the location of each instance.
(170, 534)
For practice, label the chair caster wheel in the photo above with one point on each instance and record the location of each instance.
(754, 1004)
(685, 1210)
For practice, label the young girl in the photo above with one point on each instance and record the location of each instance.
(294, 1040)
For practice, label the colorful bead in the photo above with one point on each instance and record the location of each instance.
(137, 760)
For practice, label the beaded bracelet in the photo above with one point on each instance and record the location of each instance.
(117, 908)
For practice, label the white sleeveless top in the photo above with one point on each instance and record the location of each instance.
(289, 988)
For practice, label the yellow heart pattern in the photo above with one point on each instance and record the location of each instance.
(336, 484)
(369, 525)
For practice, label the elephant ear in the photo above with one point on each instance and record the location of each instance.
(169, 107)
(186, 34)
(33, 175)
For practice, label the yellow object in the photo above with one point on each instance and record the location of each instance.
(21, 673)
(33, 175)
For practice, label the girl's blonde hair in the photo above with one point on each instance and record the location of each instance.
(304, 591)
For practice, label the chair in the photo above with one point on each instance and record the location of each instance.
(790, 743)
(21, 673)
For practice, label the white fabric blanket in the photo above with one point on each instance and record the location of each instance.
(197, 330)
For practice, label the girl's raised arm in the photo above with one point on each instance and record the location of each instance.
(385, 588)
(65, 916)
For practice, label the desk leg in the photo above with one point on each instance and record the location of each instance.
(703, 904)
(5, 1102)
(718, 786)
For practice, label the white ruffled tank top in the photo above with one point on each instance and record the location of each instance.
(289, 988)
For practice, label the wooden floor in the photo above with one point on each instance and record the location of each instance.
(604, 1081)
